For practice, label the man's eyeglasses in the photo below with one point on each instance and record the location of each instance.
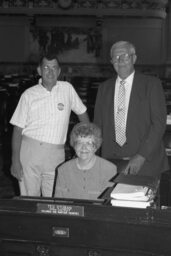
(47, 68)
(123, 57)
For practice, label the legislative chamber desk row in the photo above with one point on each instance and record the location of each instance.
(58, 227)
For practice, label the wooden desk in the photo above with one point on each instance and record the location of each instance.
(35, 227)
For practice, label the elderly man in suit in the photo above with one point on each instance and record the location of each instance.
(131, 111)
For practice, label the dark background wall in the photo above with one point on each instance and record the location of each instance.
(22, 36)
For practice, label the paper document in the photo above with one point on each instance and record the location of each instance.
(133, 204)
(130, 192)
(168, 119)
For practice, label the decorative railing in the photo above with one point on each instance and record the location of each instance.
(121, 4)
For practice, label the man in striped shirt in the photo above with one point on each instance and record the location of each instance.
(41, 121)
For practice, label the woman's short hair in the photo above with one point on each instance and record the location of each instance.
(85, 130)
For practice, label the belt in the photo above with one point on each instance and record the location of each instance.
(58, 146)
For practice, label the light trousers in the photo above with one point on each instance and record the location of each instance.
(39, 160)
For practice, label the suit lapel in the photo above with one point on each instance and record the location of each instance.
(135, 98)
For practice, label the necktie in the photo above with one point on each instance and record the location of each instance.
(120, 127)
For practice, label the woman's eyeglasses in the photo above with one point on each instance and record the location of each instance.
(88, 145)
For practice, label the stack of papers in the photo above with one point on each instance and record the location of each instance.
(127, 195)
(168, 122)
(132, 204)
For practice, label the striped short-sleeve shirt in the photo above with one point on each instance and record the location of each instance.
(44, 115)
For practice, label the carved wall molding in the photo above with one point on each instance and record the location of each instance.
(147, 8)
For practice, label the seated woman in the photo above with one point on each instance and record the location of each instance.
(87, 175)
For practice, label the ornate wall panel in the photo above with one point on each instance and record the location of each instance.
(81, 32)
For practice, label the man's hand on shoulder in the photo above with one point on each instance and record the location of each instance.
(134, 165)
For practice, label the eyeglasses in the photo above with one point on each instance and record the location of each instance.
(47, 68)
(87, 145)
(123, 57)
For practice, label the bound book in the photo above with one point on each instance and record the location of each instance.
(132, 204)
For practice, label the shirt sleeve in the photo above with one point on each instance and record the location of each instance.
(76, 103)
(19, 117)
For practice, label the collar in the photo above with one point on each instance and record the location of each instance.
(87, 166)
(44, 88)
(128, 80)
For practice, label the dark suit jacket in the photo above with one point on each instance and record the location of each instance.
(146, 122)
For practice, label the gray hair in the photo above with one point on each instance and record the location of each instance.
(127, 44)
(84, 130)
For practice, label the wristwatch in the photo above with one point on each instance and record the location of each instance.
(64, 3)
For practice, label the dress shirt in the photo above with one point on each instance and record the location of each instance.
(44, 115)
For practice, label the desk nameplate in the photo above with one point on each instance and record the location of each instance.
(60, 209)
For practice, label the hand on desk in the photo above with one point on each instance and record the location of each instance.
(134, 165)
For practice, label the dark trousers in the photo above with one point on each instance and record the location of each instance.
(165, 188)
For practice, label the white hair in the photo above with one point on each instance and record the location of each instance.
(127, 44)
